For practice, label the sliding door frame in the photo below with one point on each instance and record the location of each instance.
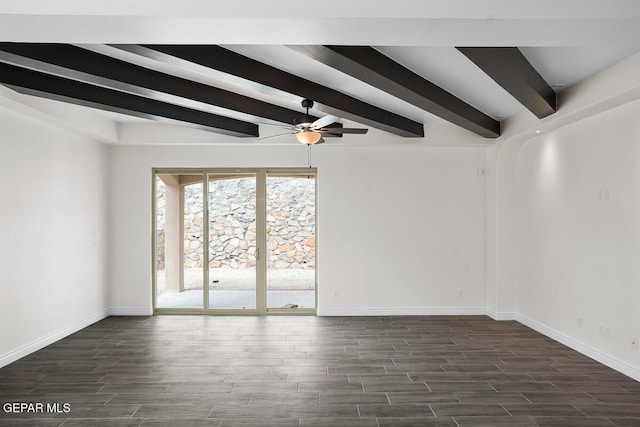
(261, 238)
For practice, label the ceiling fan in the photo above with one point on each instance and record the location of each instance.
(309, 133)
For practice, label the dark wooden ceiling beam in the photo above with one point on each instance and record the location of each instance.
(327, 99)
(374, 68)
(89, 67)
(511, 70)
(58, 88)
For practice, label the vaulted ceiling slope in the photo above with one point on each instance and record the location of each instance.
(149, 81)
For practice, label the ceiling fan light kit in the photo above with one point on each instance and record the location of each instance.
(308, 137)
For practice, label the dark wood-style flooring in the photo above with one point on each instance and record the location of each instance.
(316, 371)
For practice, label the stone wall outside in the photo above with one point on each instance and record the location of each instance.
(290, 224)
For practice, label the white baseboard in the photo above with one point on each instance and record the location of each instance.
(51, 338)
(406, 311)
(587, 350)
(130, 311)
(501, 315)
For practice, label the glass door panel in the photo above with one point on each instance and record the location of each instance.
(232, 241)
(290, 228)
(179, 241)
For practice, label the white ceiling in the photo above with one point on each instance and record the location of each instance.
(398, 22)
(565, 40)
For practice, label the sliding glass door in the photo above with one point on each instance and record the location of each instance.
(291, 241)
(260, 234)
(179, 241)
(233, 248)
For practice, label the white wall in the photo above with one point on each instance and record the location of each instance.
(578, 231)
(555, 252)
(53, 233)
(604, 91)
(419, 215)
(416, 265)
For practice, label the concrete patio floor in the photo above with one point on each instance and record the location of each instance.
(235, 289)
(235, 299)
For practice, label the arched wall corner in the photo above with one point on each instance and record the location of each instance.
(613, 87)
(605, 126)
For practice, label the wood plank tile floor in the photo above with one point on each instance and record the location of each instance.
(313, 371)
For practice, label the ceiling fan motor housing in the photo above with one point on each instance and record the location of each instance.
(305, 121)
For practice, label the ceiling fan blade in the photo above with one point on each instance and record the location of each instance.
(321, 141)
(275, 136)
(343, 130)
(283, 126)
(324, 121)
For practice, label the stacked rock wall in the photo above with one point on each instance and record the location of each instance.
(232, 233)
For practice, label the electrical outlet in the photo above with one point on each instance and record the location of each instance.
(608, 333)
(580, 321)
(335, 295)
(460, 293)
(634, 343)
